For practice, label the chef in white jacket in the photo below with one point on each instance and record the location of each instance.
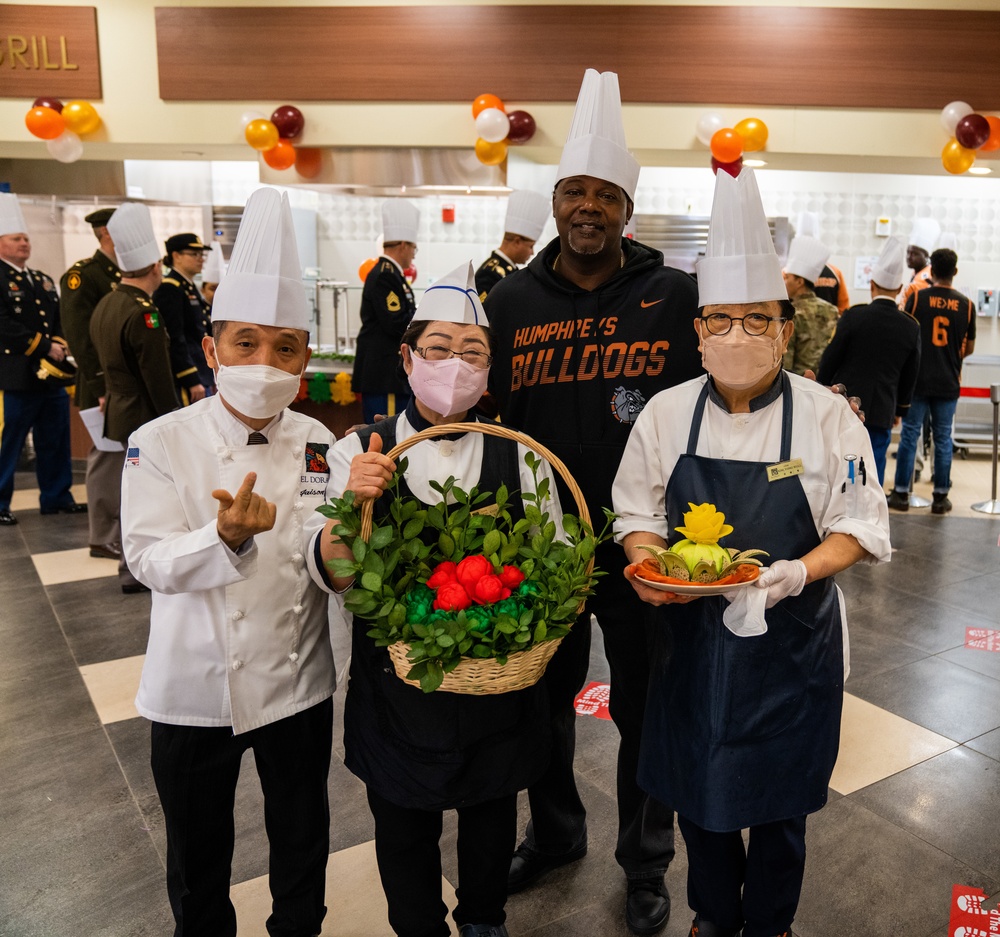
(219, 520)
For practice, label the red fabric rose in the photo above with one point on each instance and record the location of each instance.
(488, 590)
(451, 597)
(443, 572)
(471, 570)
(511, 577)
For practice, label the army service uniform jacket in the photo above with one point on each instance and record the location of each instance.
(492, 271)
(29, 323)
(184, 313)
(387, 306)
(82, 287)
(134, 352)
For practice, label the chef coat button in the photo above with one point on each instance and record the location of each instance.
(237, 664)
(298, 505)
(293, 657)
(237, 615)
(297, 557)
(446, 449)
(298, 609)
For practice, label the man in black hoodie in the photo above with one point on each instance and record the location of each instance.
(586, 334)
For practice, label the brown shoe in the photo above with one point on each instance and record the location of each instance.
(106, 551)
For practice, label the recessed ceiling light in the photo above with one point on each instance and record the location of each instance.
(754, 163)
(980, 170)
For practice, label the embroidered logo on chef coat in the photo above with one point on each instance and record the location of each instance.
(316, 458)
(132, 456)
(626, 405)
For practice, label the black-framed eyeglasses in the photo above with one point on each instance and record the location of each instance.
(477, 359)
(718, 323)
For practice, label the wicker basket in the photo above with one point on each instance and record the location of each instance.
(478, 676)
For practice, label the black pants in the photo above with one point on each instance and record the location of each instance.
(558, 819)
(409, 864)
(757, 888)
(196, 769)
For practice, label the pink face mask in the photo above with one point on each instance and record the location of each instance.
(449, 386)
(738, 360)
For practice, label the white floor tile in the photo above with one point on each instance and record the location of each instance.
(71, 566)
(112, 686)
(26, 499)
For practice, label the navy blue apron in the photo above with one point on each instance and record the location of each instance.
(745, 731)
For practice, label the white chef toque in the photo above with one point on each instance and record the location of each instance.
(890, 268)
(807, 257)
(215, 265)
(806, 224)
(131, 228)
(453, 298)
(527, 213)
(263, 284)
(948, 240)
(740, 264)
(11, 216)
(400, 221)
(924, 233)
(595, 145)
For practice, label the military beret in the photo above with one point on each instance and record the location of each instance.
(185, 242)
(100, 217)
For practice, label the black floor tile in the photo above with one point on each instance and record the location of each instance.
(984, 662)
(873, 652)
(988, 744)
(50, 532)
(17, 574)
(32, 643)
(977, 596)
(43, 708)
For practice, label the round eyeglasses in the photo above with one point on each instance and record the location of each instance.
(718, 323)
(477, 359)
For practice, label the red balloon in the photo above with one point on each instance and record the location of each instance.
(289, 121)
(993, 143)
(308, 161)
(972, 131)
(732, 168)
(410, 273)
(53, 103)
(522, 127)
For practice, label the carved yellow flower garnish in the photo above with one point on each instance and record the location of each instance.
(704, 524)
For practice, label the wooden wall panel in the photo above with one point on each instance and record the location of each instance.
(846, 58)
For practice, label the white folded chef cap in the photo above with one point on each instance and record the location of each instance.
(891, 265)
(595, 145)
(924, 233)
(263, 284)
(215, 265)
(11, 216)
(948, 240)
(453, 298)
(807, 257)
(527, 213)
(131, 228)
(806, 224)
(400, 221)
(740, 264)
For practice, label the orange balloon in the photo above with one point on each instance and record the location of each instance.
(281, 156)
(44, 122)
(81, 117)
(491, 154)
(993, 143)
(308, 161)
(261, 134)
(727, 145)
(754, 133)
(366, 268)
(484, 101)
(957, 158)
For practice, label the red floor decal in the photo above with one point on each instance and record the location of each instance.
(982, 639)
(593, 701)
(968, 916)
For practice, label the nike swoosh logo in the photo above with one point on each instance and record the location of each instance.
(646, 305)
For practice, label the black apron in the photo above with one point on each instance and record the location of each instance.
(745, 731)
(436, 751)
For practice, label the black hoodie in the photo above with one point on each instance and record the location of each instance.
(574, 368)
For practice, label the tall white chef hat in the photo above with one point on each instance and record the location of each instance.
(806, 223)
(527, 213)
(924, 233)
(806, 258)
(595, 145)
(131, 228)
(400, 221)
(891, 264)
(453, 298)
(740, 264)
(11, 216)
(263, 284)
(948, 240)
(215, 265)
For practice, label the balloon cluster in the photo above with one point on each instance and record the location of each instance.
(61, 126)
(969, 132)
(410, 273)
(728, 144)
(496, 129)
(272, 138)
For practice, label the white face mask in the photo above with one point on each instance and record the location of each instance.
(738, 360)
(449, 386)
(257, 390)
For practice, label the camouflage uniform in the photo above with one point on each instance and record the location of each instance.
(815, 323)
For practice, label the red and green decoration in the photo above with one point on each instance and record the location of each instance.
(321, 388)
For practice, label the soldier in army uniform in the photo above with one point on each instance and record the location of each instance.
(815, 319)
(387, 306)
(32, 358)
(82, 287)
(527, 213)
(186, 315)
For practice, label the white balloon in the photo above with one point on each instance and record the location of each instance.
(247, 116)
(492, 125)
(707, 126)
(953, 113)
(66, 148)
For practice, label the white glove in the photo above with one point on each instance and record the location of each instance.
(782, 579)
(744, 615)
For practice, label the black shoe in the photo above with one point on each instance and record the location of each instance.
(76, 508)
(940, 504)
(134, 588)
(647, 905)
(482, 930)
(700, 928)
(106, 551)
(899, 500)
(7, 518)
(528, 865)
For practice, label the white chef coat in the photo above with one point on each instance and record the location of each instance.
(238, 639)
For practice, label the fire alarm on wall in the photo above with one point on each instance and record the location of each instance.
(448, 214)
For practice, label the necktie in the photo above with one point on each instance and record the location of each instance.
(257, 439)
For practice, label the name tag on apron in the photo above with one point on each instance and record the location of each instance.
(784, 470)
